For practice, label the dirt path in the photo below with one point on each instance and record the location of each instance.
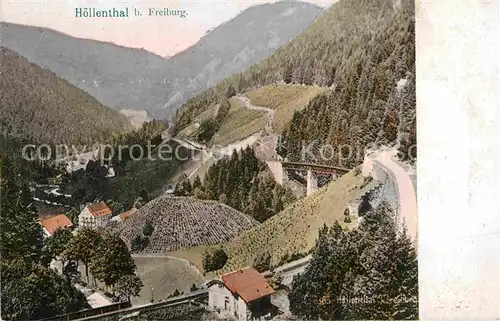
(266, 144)
(191, 265)
(247, 104)
(268, 128)
(265, 140)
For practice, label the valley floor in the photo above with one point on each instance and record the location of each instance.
(164, 275)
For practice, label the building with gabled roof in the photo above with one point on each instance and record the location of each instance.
(243, 294)
(94, 216)
(125, 215)
(52, 224)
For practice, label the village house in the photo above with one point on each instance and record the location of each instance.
(52, 224)
(125, 215)
(94, 216)
(243, 294)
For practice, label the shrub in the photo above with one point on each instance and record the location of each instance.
(284, 259)
(262, 262)
(276, 280)
(230, 91)
(176, 293)
(290, 258)
(207, 129)
(139, 243)
(214, 260)
(148, 228)
(366, 181)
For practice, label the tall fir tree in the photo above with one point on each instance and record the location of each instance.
(21, 234)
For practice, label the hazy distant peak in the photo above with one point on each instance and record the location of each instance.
(136, 79)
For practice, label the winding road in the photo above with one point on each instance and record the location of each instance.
(291, 269)
(264, 139)
(268, 128)
(408, 210)
(188, 263)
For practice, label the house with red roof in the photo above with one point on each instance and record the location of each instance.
(94, 216)
(125, 215)
(243, 294)
(52, 224)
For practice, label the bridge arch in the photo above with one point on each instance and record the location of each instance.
(311, 169)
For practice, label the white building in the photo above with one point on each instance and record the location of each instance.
(111, 172)
(243, 294)
(94, 216)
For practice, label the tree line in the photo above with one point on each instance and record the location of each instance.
(30, 288)
(361, 50)
(41, 107)
(242, 182)
(370, 273)
(135, 175)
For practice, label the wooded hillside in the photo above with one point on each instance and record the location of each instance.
(361, 50)
(242, 182)
(40, 107)
(127, 78)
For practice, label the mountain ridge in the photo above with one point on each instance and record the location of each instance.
(129, 78)
(65, 34)
(361, 51)
(38, 106)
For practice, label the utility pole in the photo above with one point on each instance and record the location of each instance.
(152, 291)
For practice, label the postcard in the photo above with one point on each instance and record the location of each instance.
(218, 160)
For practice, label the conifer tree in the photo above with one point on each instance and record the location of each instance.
(369, 273)
(197, 183)
(84, 247)
(112, 260)
(144, 195)
(21, 234)
(30, 291)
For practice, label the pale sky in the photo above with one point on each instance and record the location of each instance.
(163, 35)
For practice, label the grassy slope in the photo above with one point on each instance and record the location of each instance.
(165, 275)
(239, 123)
(295, 229)
(285, 99)
(193, 254)
(190, 130)
(291, 231)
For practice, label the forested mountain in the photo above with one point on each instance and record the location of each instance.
(38, 106)
(136, 79)
(364, 51)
